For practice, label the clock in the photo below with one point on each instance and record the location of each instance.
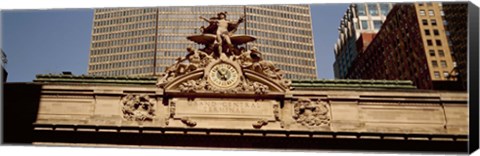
(224, 76)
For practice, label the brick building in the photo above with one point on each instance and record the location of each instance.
(411, 45)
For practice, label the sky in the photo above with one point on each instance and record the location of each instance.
(52, 41)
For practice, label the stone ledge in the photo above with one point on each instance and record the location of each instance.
(252, 132)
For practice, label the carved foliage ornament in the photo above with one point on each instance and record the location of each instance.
(138, 108)
(244, 86)
(311, 113)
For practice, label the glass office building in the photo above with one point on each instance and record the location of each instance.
(144, 41)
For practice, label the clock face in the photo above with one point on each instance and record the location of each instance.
(224, 75)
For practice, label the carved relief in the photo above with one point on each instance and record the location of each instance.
(138, 107)
(311, 113)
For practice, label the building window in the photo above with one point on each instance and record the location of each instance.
(438, 42)
(361, 9)
(422, 12)
(441, 53)
(377, 24)
(427, 32)
(443, 63)
(436, 32)
(373, 9)
(384, 8)
(424, 22)
(436, 74)
(364, 24)
(434, 64)
(429, 42)
(431, 13)
(445, 74)
(434, 22)
(432, 52)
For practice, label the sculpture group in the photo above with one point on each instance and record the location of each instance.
(220, 43)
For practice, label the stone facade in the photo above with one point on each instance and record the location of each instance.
(318, 109)
(334, 114)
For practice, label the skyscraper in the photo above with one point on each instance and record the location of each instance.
(456, 17)
(411, 45)
(144, 41)
(359, 18)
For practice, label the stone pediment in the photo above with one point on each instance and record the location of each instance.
(244, 81)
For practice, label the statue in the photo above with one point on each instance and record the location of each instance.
(224, 29)
(259, 65)
(196, 59)
(222, 46)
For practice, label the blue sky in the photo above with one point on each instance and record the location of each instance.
(52, 41)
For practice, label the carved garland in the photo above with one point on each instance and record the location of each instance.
(192, 86)
(138, 108)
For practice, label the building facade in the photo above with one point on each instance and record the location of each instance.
(359, 18)
(65, 110)
(411, 45)
(144, 41)
(456, 15)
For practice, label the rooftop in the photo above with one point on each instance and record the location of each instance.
(298, 84)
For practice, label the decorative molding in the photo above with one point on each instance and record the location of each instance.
(276, 111)
(260, 123)
(188, 122)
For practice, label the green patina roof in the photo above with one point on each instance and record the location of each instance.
(299, 84)
(353, 83)
(88, 79)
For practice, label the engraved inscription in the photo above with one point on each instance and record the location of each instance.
(225, 108)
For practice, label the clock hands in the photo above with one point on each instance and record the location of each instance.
(222, 74)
